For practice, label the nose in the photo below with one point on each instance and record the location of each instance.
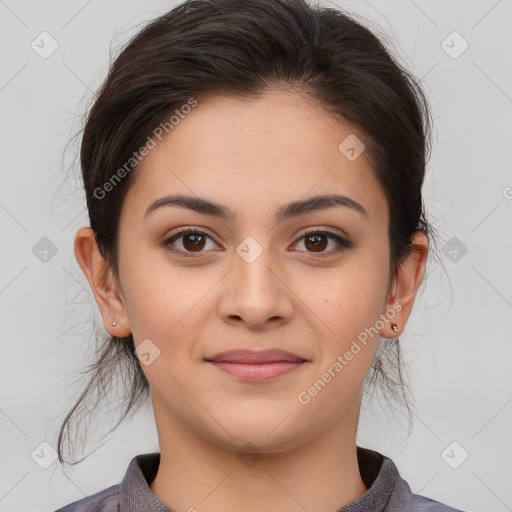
(255, 294)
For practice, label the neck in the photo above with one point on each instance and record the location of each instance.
(195, 473)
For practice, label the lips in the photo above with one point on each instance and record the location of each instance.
(250, 365)
(244, 356)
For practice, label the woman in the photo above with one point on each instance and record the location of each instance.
(253, 174)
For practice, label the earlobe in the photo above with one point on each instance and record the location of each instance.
(99, 275)
(406, 284)
(393, 327)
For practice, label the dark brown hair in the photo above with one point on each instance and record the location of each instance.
(205, 48)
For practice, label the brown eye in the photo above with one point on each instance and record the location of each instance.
(317, 241)
(192, 241)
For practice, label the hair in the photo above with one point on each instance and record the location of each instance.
(206, 48)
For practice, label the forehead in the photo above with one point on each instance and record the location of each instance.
(254, 155)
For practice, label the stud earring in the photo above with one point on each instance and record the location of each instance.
(394, 327)
(114, 323)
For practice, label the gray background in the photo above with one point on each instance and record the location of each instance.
(457, 343)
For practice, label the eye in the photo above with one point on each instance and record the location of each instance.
(193, 242)
(317, 240)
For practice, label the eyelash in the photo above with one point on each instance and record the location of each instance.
(343, 243)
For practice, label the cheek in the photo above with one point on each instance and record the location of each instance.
(346, 300)
(169, 313)
(164, 302)
(348, 311)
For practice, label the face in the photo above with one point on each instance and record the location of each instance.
(254, 279)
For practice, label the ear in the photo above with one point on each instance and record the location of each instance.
(405, 285)
(101, 279)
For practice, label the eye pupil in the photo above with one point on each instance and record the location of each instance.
(317, 244)
(196, 244)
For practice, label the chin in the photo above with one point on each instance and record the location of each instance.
(261, 436)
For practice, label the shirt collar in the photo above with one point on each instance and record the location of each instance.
(378, 472)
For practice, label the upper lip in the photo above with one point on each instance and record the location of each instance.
(256, 357)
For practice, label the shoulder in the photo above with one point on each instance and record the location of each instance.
(404, 500)
(423, 504)
(106, 500)
(132, 489)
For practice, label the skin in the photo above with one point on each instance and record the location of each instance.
(254, 156)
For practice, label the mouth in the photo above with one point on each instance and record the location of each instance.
(256, 365)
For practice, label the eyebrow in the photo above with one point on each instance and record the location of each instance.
(293, 209)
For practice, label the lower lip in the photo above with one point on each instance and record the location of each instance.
(257, 372)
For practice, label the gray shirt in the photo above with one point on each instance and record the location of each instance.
(387, 491)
